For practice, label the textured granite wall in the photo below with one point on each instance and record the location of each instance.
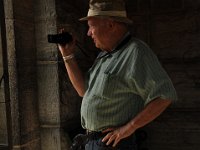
(172, 29)
(42, 97)
(21, 64)
(3, 122)
(48, 77)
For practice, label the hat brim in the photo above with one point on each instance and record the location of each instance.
(118, 19)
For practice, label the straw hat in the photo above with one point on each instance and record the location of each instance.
(108, 8)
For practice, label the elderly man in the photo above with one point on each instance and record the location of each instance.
(125, 89)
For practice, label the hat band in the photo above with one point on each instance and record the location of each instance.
(106, 13)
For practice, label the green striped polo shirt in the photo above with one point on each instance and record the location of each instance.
(120, 84)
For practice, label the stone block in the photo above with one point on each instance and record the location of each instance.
(3, 124)
(29, 122)
(132, 6)
(23, 10)
(45, 50)
(48, 92)
(191, 5)
(186, 80)
(53, 138)
(169, 32)
(166, 6)
(44, 10)
(31, 145)
(174, 130)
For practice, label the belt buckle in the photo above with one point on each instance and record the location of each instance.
(90, 132)
(87, 132)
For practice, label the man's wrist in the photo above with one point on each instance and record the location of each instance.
(67, 58)
(133, 126)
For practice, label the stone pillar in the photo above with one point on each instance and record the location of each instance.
(3, 85)
(48, 78)
(3, 120)
(22, 88)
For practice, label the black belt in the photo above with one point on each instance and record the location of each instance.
(93, 134)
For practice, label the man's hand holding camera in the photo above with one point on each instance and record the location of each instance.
(66, 44)
(65, 41)
(68, 47)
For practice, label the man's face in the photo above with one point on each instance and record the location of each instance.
(99, 32)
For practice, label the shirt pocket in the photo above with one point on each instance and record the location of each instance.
(111, 85)
(101, 85)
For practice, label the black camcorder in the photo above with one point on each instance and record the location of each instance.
(61, 38)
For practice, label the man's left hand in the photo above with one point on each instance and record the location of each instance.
(115, 135)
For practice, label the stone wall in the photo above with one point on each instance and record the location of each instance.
(23, 126)
(47, 76)
(42, 97)
(3, 122)
(172, 29)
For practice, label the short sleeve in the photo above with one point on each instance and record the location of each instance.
(150, 79)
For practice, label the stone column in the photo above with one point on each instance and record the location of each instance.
(48, 77)
(3, 122)
(22, 90)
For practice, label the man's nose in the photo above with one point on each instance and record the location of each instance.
(89, 32)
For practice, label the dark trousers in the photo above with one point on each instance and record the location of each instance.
(95, 143)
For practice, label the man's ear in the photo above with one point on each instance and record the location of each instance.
(111, 25)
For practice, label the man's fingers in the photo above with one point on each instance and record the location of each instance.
(61, 30)
(106, 137)
(110, 140)
(117, 139)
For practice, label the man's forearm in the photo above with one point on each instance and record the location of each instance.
(150, 112)
(75, 76)
(73, 70)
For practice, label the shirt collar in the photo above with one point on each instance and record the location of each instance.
(123, 41)
(118, 46)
